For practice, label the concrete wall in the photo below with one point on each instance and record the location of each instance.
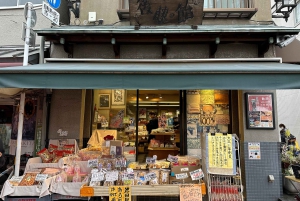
(11, 22)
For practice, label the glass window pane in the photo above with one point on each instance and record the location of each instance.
(297, 14)
(4, 3)
(23, 2)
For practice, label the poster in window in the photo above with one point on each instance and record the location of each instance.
(118, 97)
(104, 101)
(260, 111)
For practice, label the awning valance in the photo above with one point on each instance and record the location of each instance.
(153, 74)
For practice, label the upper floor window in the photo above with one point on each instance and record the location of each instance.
(10, 3)
(226, 3)
(297, 14)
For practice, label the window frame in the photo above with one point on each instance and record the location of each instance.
(297, 22)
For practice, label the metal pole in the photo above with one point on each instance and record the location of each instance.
(27, 36)
(22, 100)
(20, 131)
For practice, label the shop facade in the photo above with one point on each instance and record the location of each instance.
(217, 61)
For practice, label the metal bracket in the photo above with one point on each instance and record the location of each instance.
(263, 48)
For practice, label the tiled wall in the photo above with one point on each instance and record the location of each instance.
(256, 172)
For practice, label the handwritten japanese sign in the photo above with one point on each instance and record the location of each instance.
(167, 12)
(92, 163)
(119, 193)
(220, 150)
(190, 193)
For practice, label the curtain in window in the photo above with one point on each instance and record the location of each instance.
(224, 3)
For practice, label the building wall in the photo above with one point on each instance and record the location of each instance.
(65, 113)
(11, 22)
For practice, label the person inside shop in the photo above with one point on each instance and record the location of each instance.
(175, 123)
(152, 124)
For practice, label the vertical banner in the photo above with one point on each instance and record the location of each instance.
(221, 154)
(190, 192)
(119, 193)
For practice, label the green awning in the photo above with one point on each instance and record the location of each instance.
(153, 74)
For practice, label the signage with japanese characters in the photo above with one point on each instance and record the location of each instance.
(119, 193)
(167, 12)
(221, 153)
(190, 192)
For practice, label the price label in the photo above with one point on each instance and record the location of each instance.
(181, 176)
(197, 174)
(172, 159)
(41, 177)
(129, 170)
(98, 176)
(112, 176)
(184, 169)
(150, 176)
(94, 170)
(92, 163)
(16, 179)
(127, 176)
(150, 160)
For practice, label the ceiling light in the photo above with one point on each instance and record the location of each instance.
(147, 96)
(160, 96)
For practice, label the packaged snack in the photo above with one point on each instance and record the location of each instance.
(154, 181)
(52, 148)
(140, 178)
(15, 180)
(45, 155)
(28, 179)
(69, 147)
(164, 176)
(133, 165)
(56, 159)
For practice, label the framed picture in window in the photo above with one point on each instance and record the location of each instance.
(104, 101)
(260, 111)
(118, 97)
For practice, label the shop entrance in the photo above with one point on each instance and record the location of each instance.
(157, 117)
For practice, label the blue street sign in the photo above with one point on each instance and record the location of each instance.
(54, 3)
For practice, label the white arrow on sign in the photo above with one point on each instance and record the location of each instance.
(50, 13)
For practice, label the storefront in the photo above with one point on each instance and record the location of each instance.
(224, 81)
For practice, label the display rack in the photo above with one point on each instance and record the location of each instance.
(163, 152)
(227, 187)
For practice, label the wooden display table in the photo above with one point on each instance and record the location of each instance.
(144, 190)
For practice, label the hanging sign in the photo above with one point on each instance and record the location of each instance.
(190, 193)
(119, 193)
(50, 13)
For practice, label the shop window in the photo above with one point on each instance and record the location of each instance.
(224, 4)
(297, 14)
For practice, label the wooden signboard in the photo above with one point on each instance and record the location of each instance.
(166, 12)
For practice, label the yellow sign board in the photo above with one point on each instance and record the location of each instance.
(220, 151)
(119, 193)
